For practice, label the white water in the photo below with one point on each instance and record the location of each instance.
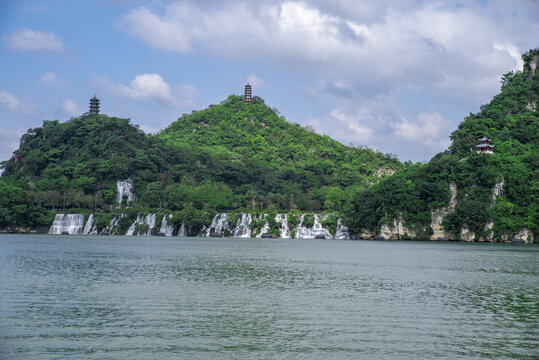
(242, 226)
(166, 229)
(264, 229)
(150, 221)
(342, 231)
(124, 187)
(74, 224)
(219, 224)
(182, 232)
(317, 231)
(285, 231)
(89, 225)
(70, 223)
(138, 221)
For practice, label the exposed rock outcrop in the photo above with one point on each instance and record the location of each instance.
(396, 231)
(437, 216)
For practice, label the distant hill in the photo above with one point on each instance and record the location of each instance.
(231, 156)
(495, 196)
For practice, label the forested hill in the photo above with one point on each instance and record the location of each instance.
(497, 194)
(252, 134)
(231, 156)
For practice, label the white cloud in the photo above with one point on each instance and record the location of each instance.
(146, 87)
(34, 40)
(51, 79)
(376, 48)
(354, 123)
(418, 137)
(428, 129)
(152, 87)
(9, 142)
(70, 107)
(12, 104)
(154, 31)
(255, 81)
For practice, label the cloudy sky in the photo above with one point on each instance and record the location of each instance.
(397, 76)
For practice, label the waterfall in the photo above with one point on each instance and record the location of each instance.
(316, 232)
(89, 224)
(150, 221)
(242, 226)
(285, 231)
(166, 229)
(111, 228)
(68, 223)
(219, 224)
(342, 231)
(138, 221)
(56, 227)
(264, 229)
(182, 232)
(124, 187)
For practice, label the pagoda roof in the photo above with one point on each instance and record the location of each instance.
(484, 138)
(484, 145)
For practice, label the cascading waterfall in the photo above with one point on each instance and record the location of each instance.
(112, 227)
(138, 221)
(150, 221)
(242, 226)
(265, 229)
(316, 232)
(285, 231)
(74, 224)
(89, 225)
(342, 231)
(56, 227)
(68, 223)
(124, 187)
(166, 229)
(219, 224)
(182, 232)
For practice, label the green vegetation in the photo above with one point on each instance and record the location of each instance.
(230, 157)
(238, 156)
(511, 121)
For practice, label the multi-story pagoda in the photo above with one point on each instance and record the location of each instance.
(247, 96)
(484, 147)
(94, 105)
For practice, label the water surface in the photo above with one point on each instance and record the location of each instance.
(195, 298)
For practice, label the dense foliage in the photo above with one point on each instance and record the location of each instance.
(230, 156)
(511, 121)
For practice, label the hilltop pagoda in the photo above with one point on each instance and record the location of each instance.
(247, 95)
(94, 105)
(484, 147)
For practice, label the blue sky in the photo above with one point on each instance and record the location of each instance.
(394, 76)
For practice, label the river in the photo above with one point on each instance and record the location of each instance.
(84, 297)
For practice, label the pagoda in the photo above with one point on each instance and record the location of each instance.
(484, 147)
(94, 105)
(247, 96)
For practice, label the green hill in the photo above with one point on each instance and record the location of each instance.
(260, 151)
(231, 156)
(482, 212)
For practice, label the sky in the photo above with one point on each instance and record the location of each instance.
(395, 76)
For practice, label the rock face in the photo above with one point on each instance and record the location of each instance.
(497, 190)
(437, 216)
(524, 235)
(396, 231)
(466, 235)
